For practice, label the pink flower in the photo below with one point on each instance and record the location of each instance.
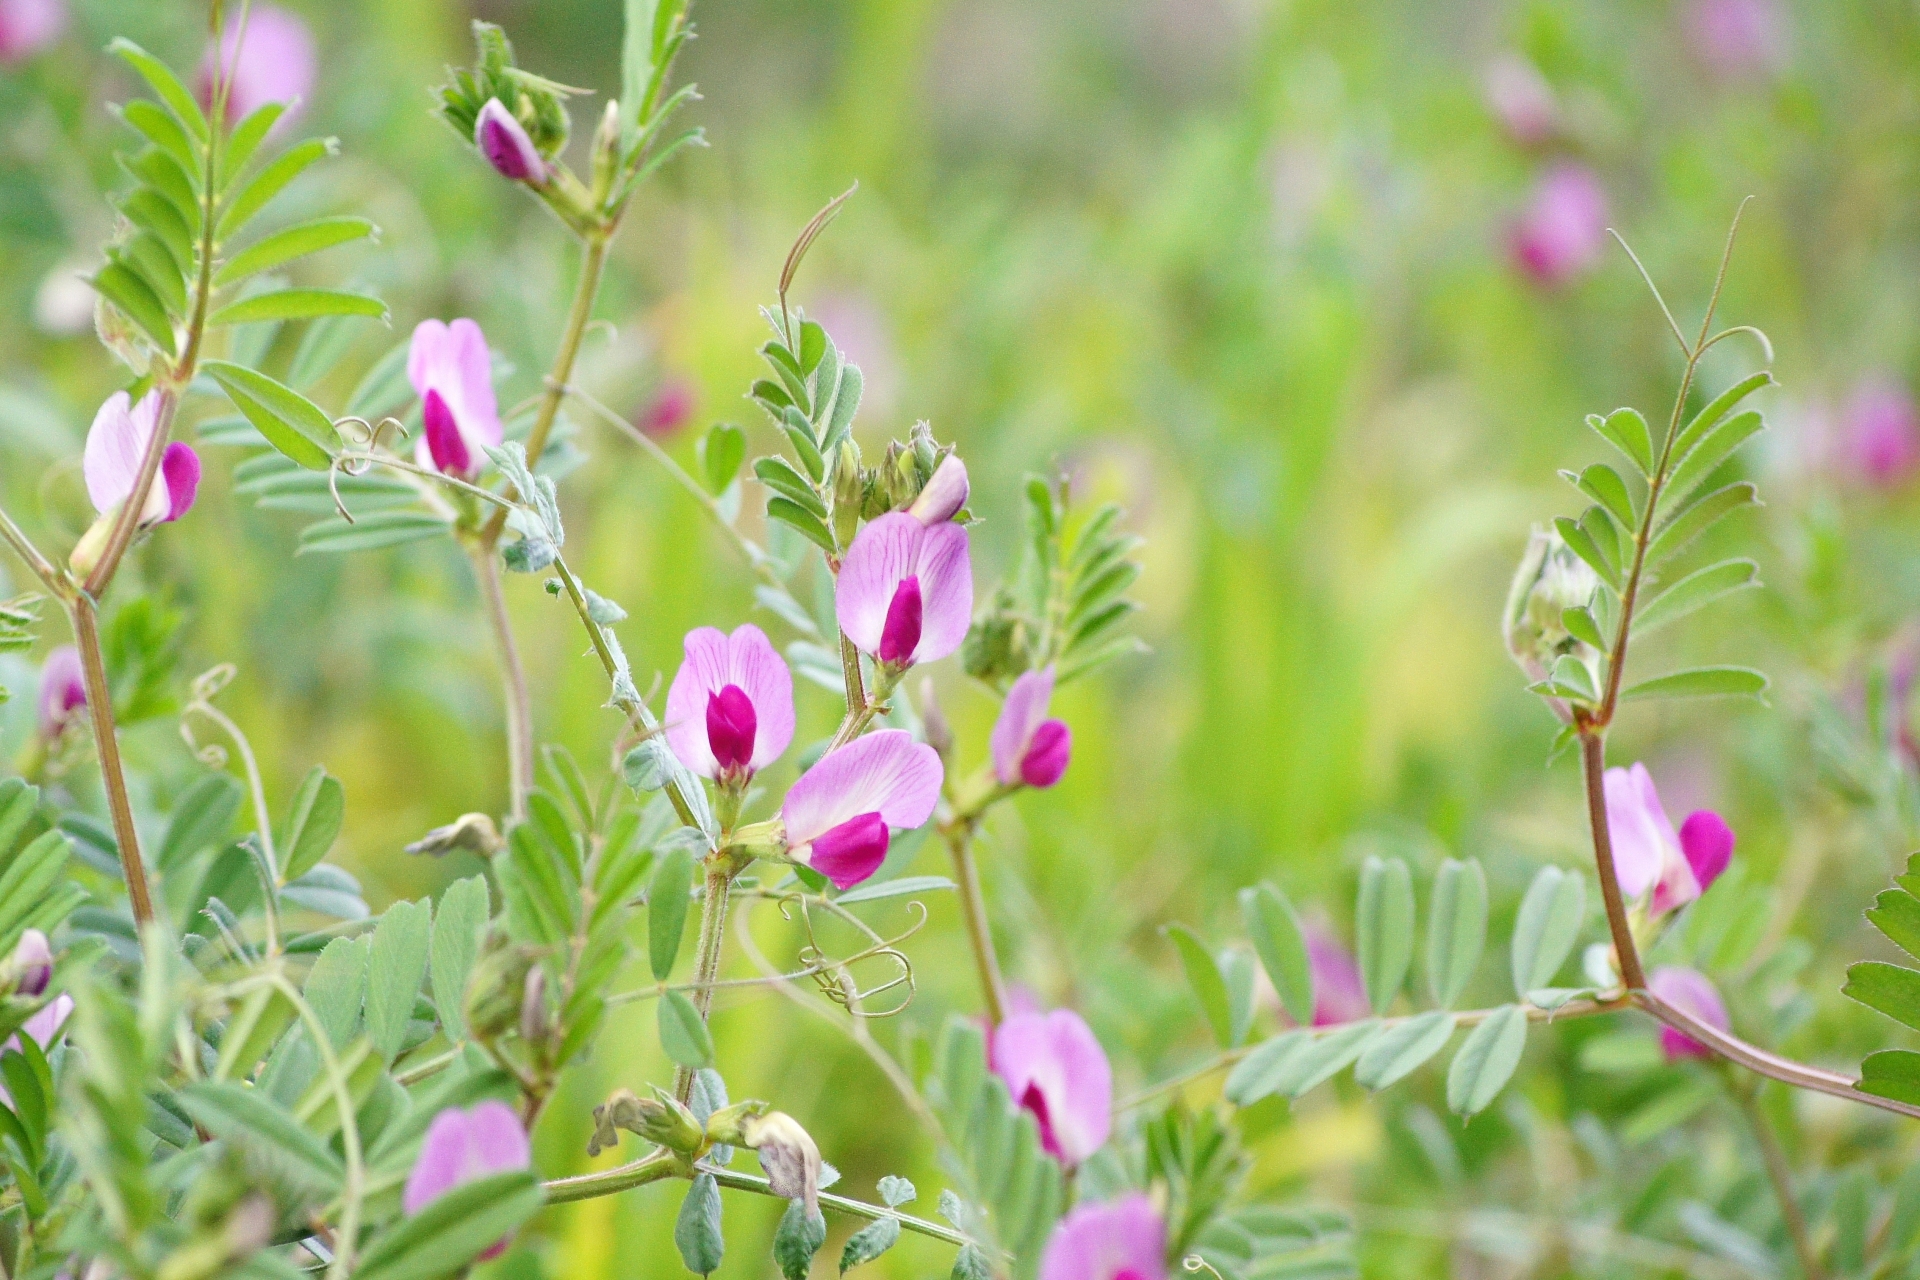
(1689, 991)
(945, 494)
(906, 591)
(730, 710)
(1564, 227)
(839, 812)
(32, 964)
(272, 61)
(1028, 747)
(1055, 1068)
(63, 690)
(28, 26)
(1339, 994)
(117, 442)
(465, 1146)
(452, 372)
(670, 410)
(1121, 1240)
(1522, 100)
(506, 146)
(1880, 432)
(1649, 854)
(1736, 37)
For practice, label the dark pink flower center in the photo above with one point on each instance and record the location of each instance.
(731, 725)
(180, 472)
(1036, 1102)
(851, 851)
(901, 634)
(445, 444)
(1047, 754)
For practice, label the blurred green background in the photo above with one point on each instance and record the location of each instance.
(1254, 270)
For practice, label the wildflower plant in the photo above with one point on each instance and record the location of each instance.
(218, 1061)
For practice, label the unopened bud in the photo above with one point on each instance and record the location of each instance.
(473, 832)
(534, 1016)
(660, 1119)
(945, 494)
(788, 1154)
(92, 544)
(926, 454)
(32, 964)
(1550, 580)
(606, 152)
(504, 141)
(848, 488)
(497, 988)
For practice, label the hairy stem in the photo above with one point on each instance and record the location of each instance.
(1593, 760)
(713, 937)
(86, 636)
(973, 908)
(1781, 1175)
(518, 706)
(842, 1204)
(654, 1167)
(23, 547)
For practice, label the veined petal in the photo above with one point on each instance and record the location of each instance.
(1638, 827)
(116, 443)
(1020, 715)
(757, 667)
(881, 555)
(477, 411)
(1122, 1238)
(427, 355)
(703, 673)
(945, 571)
(886, 773)
(1056, 1056)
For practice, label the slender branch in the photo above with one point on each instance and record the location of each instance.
(1781, 1175)
(841, 1204)
(855, 682)
(215, 755)
(86, 637)
(42, 567)
(514, 697)
(654, 1167)
(1593, 753)
(356, 1188)
(713, 937)
(973, 908)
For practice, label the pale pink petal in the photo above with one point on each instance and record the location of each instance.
(945, 494)
(45, 1025)
(496, 1139)
(882, 554)
(1054, 1066)
(27, 26)
(702, 673)
(115, 443)
(427, 355)
(1639, 829)
(1020, 715)
(477, 411)
(464, 1146)
(1124, 1238)
(885, 772)
(1563, 229)
(946, 591)
(1339, 993)
(757, 667)
(1691, 992)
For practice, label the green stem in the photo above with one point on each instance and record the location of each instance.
(841, 1204)
(1781, 1175)
(654, 1167)
(86, 636)
(713, 936)
(42, 567)
(515, 700)
(973, 909)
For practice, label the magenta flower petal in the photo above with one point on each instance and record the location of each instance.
(180, 477)
(273, 61)
(851, 851)
(445, 445)
(505, 144)
(32, 963)
(465, 1146)
(1046, 760)
(670, 410)
(28, 26)
(1121, 1240)
(1691, 992)
(945, 494)
(1339, 993)
(885, 554)
(452, 361)
(1880, 432)
(1707, 843)
(1020, 717)
(1641, 832)
(63, 690)
(1055, 1068)
(887, 773)
(1563, 229)
(1736, 38)
(748, 662)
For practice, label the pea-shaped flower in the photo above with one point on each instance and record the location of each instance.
(1056, 1069)
(63, 690)
(730, 710)
(1691, 992)
(1648, 853)
(504, 142)
(906, 590)
(945, 492)
(1028, 747)
(464, 1146)
(840, 814)
(1123, 1239)
(452, 372)
(116, 444)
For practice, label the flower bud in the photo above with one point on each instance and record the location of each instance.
(788, 1154)
(1550, 580)
(473, 832)
(606, 152)
(535, 1017)
(945, 494)
(849, 488)
(32, 964)
(504, 142)
(660, 1119)
(497, 988)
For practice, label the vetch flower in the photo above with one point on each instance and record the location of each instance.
(730, 710)
(788, 1154)
(1880, 432)
(839, 813)
(32, 964)
(1056, 1069)
(273, 60)
(117, 442)
(1736, 38)
(28, 26)
(1564, 227)
(452, 371)
(906, 590)
(1521, 99)
(63, 690)
(464, 1146)
(1339, 993)
(1648, 853)
(1120, 1240)
(1027, 746)
(504, 142)
(1689, 991)
(945, 492)
(670, 409)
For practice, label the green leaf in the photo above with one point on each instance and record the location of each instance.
(1487, 1061)
(164, 130)
(250, 1033)
(1456, 929)
(1889, 988)
(1689, 522)
(298, 304)
(1896, 913)
(683, 1032)
(150, 211)
(971, 1264)
(1701, 587)
(697, 1230)
(248, 1118)
(459, 927)
(903, 887)
(1325, 1056)
(846, 403)
(336, 988)
(152, 261)
(202, 817)
(156, 169)
(291, 423)
(167, 85)
(123, 287)
(868, 1243)
(1604, 485)
(445, 1237)
(1705, 460)
(797, 1239)
(1547, 927)
(1892, 1073)
(1700, 682)
(1582, 626)
(1716, 409)
(270, 182)
(1383, 927)
(394, 972)
(1403, 1049)
(371, 532)
(319, 810)
(721, 452)
(778, 474)
(245, 140)
(295, 242)
(667, 905)
(1261, 1073)
(1275, 931)
(1581, 543)
(1626, 431)
(1209, 987)
(792, 513)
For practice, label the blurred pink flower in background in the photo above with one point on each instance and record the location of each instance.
(1689, 991)
(275, 62)
(1338, 993)
(670, 409)
(63, 690)
(859, 328)
(1122, 1240)
(1560, 234)
(1736, 37)
(28, 26)
(1521, 100)
(1055, 1068)
(1879, 436)
(452, 372)
(464, 1146)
